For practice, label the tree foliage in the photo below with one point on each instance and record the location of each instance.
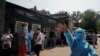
(98, 21)
(89, 20)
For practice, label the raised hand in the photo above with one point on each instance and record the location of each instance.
(61, 27)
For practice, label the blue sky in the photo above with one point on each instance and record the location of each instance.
(55, 6)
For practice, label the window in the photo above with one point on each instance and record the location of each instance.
(18, 25)
(35, 26)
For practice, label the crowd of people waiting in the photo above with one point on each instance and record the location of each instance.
(26, 41)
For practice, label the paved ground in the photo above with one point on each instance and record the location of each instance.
(63, 51)
(98, 47)
(58, 51)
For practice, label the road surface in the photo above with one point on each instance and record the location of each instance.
(63, 51)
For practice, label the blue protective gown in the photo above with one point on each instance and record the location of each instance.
(29, 42)
(79, 46)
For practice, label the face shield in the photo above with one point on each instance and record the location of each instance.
(80, 34)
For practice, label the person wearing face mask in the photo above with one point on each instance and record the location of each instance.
(38, 42)
(23, 49)
(29, 39)
(7, 40)
(78, 45)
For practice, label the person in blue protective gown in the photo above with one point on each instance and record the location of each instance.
(79, 46)
(30, 37)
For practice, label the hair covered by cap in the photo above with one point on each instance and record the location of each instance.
(80, 33)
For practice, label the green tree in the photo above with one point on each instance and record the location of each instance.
(89, 20)
(98, 21)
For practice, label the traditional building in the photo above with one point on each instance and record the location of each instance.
(16, 15)
(63, 16)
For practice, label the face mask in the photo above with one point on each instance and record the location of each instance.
(25, 28)
(80, 34)
(38, 31)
